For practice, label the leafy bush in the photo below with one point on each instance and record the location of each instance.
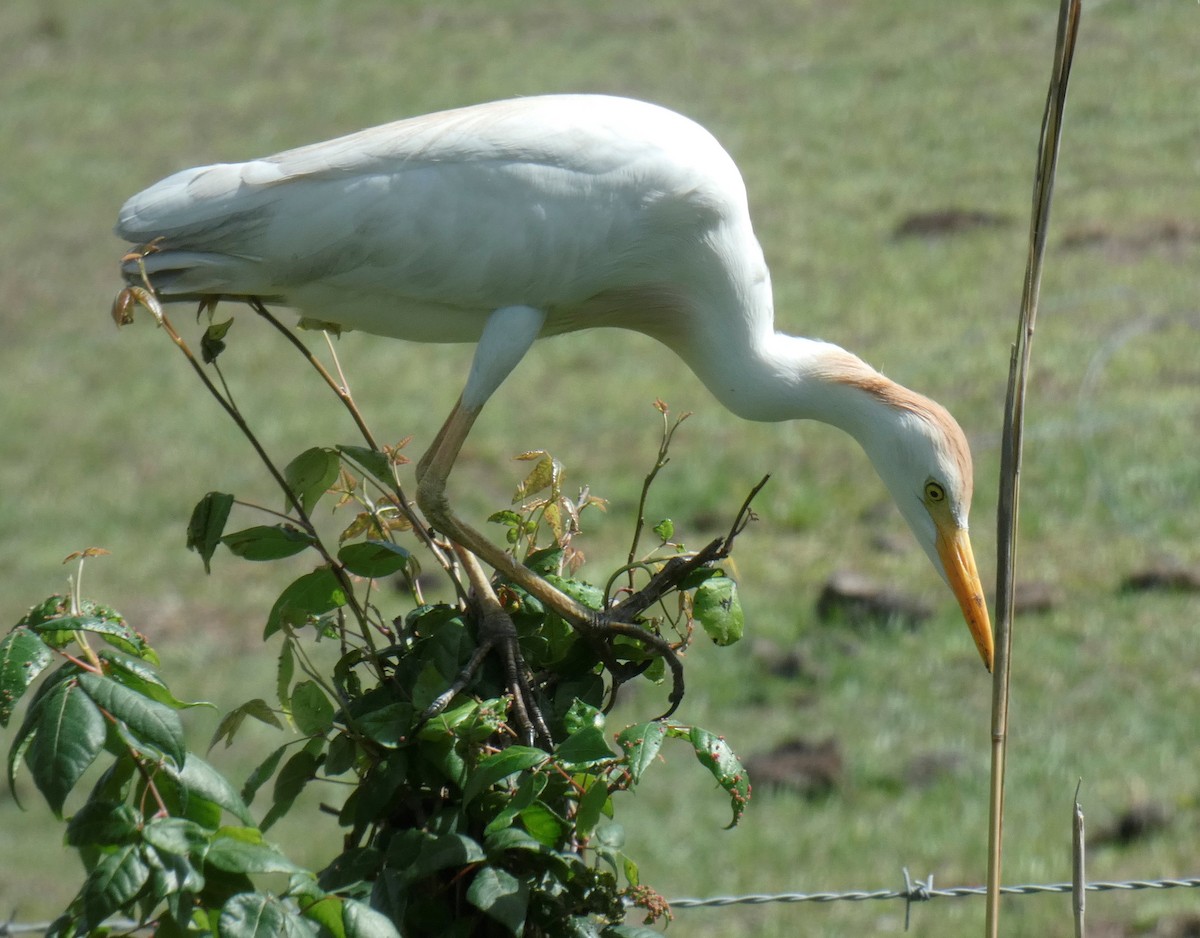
(454, 824)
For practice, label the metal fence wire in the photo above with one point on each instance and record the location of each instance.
(913, 891)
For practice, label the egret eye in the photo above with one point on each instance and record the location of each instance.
(934, 492)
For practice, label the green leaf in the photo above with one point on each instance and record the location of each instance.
(374, 558)
(101, 823)
(310, 475)
(500, 896)
(138, 675)
(591, 596)
(212, 343)
(284, 672)
(499, 766)
(113, 629)
(373, 461)
(295, 775)
(23, 657)
(545, 561)
(206, 525)
(715, 755)
(361, 921)
(200, 781)
(268, 542)
(70, 734)
(717, 607)
(312, 595)
(545, 826)
(114, 882)
(583, 749)
(264, 771)
(641, 743)
(176, 835)
(388, 726)
(591, 805)
(665, 529)
(529, 788)
(257, 708)
(241, 850)
(581, 715)
(257, 915)
(311, 709)
(449, 851)
(148, 721)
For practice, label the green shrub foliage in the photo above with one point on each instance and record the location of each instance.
(452, 824)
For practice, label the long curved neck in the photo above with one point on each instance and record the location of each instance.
(781, 377)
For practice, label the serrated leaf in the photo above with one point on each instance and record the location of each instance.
(499, 766)
(641, 743)
(69, 733)
(312, 595)
(374, 558)
(583, 749)
(257, 915)
(201, 781)
(23, 657)
(544, 474)
(500, 896)
(148, 720)
(235, 855)
(717, 608)
(268, 542)
(715, 755)
(176, 835)
(138, 675)
(310, 475)
(112, 629)
(115, 880)
(207, 524)
(311, 709)
(545, 561)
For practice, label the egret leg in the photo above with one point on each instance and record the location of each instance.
(506, 337)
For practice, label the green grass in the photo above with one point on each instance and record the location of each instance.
(845, 119)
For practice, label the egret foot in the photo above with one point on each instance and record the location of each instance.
(496, 633)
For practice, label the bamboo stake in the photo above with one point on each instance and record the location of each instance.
(1014, 423)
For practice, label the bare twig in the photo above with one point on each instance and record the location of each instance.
(1014, 422)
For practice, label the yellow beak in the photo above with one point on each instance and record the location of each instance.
(954, 548)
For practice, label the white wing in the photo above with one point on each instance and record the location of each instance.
(416, 228)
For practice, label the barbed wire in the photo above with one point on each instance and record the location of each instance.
(923, 891)
(913, 891)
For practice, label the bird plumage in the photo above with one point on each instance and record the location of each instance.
(542, 216)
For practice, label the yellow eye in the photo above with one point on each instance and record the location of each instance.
(934, 493)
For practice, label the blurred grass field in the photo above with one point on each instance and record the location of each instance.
(847, 119)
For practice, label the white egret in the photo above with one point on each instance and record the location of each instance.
(506, 222)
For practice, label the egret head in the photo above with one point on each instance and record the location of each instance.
(922, 456)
